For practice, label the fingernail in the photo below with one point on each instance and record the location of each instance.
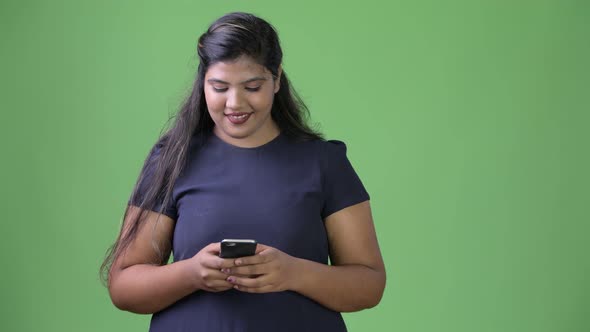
(226, 271)
(236, 287)
(238, 262)
(230, 279)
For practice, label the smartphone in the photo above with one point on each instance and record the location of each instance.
(234, 248)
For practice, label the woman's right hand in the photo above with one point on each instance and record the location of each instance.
(207, 269)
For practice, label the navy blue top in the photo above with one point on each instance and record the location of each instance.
(278, 194)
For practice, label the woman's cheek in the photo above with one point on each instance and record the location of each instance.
(263, 102)
(216, 106)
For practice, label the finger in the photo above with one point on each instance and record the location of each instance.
(212, 278)
(218, 263)
(252, 260)
(217, 286)
(249, 270)
(264, 289)
(207, 274)
(213, 248)
(227, 274)
(261, 247)
(258, 282)
(220, 289)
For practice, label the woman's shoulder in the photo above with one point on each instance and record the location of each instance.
(325, 150)
(319, 142)
(329, 147)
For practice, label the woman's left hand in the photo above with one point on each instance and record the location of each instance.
(269, 270)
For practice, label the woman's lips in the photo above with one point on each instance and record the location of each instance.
(238, 118)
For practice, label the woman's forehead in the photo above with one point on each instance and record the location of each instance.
(236, 71)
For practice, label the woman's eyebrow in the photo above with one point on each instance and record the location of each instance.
(258, 78)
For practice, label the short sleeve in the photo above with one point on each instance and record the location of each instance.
(146, 181)
(342, 186)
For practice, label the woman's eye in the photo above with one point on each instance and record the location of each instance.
(247, 88)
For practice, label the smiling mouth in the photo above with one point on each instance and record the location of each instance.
(238, 118)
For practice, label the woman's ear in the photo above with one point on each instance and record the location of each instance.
(278, 79)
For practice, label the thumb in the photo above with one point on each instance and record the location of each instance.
(213, 248)
(261, 247)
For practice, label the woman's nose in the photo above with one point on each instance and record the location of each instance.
(234, 100)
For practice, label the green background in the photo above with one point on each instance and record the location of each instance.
(468, 122)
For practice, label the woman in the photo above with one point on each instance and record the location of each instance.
(241, 162)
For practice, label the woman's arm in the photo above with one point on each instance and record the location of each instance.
(146, 289)
(341, 288)
(355, 281)
(138, 285)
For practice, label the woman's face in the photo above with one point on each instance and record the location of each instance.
(239, 96)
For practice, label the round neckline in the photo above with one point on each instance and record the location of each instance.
(254, 148)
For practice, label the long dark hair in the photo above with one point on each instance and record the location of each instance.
(229, 37)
